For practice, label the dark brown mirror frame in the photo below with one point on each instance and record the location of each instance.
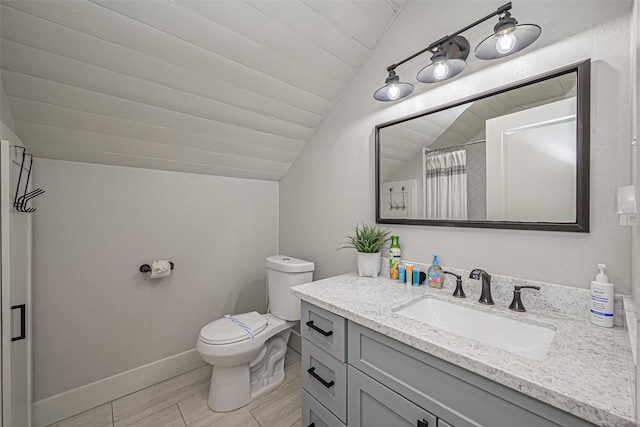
(583, 70)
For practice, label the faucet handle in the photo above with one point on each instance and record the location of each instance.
(516, 304)
(459, 292)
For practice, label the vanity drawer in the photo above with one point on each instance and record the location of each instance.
(373, 405)
(325, 378)
(313, 413)
(325, 329)
(459, 396)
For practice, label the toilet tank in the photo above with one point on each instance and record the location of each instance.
(283, 272)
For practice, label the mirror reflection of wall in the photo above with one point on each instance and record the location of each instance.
(506, 157)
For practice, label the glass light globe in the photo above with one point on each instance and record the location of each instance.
(394, 92)
(506, 42)
(440, 70)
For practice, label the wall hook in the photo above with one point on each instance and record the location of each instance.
(20, 202)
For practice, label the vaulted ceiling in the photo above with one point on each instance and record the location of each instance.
(232, 88)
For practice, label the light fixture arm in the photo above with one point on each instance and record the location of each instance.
(433, 46)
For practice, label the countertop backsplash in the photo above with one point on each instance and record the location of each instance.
(561, 300)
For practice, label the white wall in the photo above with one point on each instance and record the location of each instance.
(95, 314)
(331, 185)
(5, 113)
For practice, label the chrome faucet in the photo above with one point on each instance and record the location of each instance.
(485, 296)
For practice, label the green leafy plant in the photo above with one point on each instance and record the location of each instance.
(367, 238)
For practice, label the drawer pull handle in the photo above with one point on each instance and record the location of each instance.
(423, 423)
(312, 425)
(315, 328)
(312, 372)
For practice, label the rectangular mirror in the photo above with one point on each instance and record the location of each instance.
(514, 157)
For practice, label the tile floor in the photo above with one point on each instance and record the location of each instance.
(182, 402)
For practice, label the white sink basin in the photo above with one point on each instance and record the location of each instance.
(524, 339)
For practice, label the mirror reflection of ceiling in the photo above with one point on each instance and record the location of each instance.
(465, 123)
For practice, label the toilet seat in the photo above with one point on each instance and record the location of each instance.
(229, 331)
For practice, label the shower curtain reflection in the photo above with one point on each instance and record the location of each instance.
(445, 184)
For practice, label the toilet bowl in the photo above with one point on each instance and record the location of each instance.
(247, 350)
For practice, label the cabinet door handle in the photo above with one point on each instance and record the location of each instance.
(23, 321)
(423, 423)
(312, 372)
(315, 328)
(312, 425)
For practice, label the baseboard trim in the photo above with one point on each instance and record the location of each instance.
(64, 405)
(295, 341)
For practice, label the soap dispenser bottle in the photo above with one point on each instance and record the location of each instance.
(602, 299)
(435, 275)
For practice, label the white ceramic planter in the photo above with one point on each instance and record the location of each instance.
(369, 264)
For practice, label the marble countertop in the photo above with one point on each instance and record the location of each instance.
(588, 371)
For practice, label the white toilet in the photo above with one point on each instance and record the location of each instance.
(247, 350)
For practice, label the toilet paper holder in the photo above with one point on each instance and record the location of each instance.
(146, 268)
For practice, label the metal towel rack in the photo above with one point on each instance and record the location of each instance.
(395, 205)
(20, 202)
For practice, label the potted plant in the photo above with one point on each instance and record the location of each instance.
(367, 240)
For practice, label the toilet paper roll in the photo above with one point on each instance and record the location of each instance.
(160, 269)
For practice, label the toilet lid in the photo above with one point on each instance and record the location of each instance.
(230, 330)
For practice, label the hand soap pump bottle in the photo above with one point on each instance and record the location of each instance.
(394, 257)
(602, 299)
(435, 275)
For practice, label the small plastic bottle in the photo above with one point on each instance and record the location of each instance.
(401, 273)
(435, 274)
(409, 273)
(416, 276)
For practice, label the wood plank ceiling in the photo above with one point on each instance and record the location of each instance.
(231, 88)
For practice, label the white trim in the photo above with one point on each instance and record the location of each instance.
(5, 285)
(29, 302)
(64, 405)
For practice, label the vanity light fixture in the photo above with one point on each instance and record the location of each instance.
(449, 54)
(508, 37)
(448, 61)
(393, 88)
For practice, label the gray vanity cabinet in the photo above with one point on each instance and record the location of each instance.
(453, 394)
(373, 405)
(316, 415)
(324, 329)
(324, 368)
(358, 377)
(325, 378)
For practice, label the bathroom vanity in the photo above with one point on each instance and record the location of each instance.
(367, 363)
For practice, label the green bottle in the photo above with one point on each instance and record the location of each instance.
(435, 275)
(394, 257)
